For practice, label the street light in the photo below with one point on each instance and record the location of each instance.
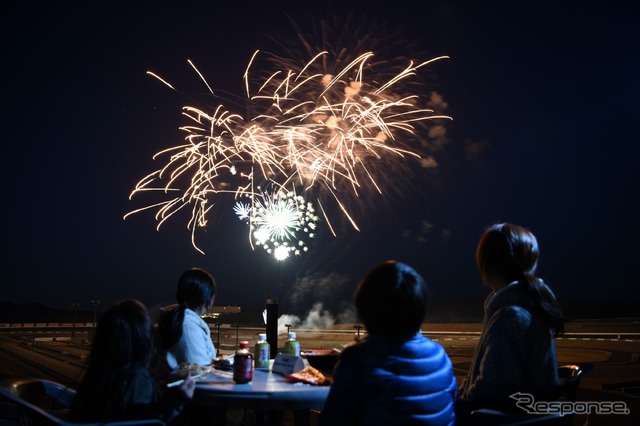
(237, 326)
(218, 324)
(95, 303)
(357, 327)
(75, 313)
(288, 327)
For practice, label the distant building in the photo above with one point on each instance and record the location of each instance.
(222, 310)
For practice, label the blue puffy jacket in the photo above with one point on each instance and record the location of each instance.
(392, 381)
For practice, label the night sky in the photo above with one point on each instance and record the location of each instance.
(544, 100)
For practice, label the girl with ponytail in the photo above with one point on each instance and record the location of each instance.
(184, 335)
(516, 351)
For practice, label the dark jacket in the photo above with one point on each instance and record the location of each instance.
(392, 381)
(140, 399)
(516, 352)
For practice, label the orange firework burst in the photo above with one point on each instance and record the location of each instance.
(311, 132)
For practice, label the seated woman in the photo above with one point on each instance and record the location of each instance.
(395, 376)
(184, 335)
(118, 383)
(516, 351)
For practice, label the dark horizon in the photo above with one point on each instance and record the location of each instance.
(464, 310)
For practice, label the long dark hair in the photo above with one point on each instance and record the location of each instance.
(124, 340)
(196, 287)
(391, 300)
(511, 253)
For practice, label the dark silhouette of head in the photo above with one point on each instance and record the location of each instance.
(196, 291)
(196, 288)
(506, 251)
(124, 336)
(124, 340)
(509, 253)
(391, 300)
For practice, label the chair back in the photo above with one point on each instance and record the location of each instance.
(36, 402)
(570, 377)
(45, 394)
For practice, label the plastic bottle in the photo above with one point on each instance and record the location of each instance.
(292, 346)
(243, 364)
(262, 352)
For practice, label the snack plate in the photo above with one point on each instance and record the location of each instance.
(310, 376)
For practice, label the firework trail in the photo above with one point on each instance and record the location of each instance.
(333, 129)
(313, 129)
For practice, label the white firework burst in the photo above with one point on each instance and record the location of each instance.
(279, 222)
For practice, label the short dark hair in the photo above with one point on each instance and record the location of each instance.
(391, 299)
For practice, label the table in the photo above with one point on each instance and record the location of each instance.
(268, 393)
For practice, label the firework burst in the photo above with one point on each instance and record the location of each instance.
(312, 129)
(280, 223)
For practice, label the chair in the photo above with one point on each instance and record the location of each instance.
(486, 416)
(47, 395)
(570, 376)
(39, 402)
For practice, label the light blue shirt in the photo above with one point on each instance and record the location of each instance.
(195, 345)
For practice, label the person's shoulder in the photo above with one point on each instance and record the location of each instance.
(190, 317)
(426, 342)
(352, 352)
(513, 316)
(422, 346)
(189, 313)
(514, 312)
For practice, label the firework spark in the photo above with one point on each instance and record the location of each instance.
(310, 131)
(332, 130)
(280, 222)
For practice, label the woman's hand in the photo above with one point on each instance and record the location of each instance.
(188, 387)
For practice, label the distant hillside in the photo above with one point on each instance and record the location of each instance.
(37, 313)
(34, 312)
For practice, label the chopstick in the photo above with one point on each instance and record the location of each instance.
(181, 381)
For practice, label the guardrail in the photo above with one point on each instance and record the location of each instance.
(4, 327)
(618, 334)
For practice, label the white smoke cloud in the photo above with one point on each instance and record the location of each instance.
(437, 102)
(348, 314)
(283, 320)
(328, 289)
(428, 162)
(317, 318)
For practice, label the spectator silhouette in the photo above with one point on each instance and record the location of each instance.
(184, 335)
(516, 351)
(394, 376)
(119, 383)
